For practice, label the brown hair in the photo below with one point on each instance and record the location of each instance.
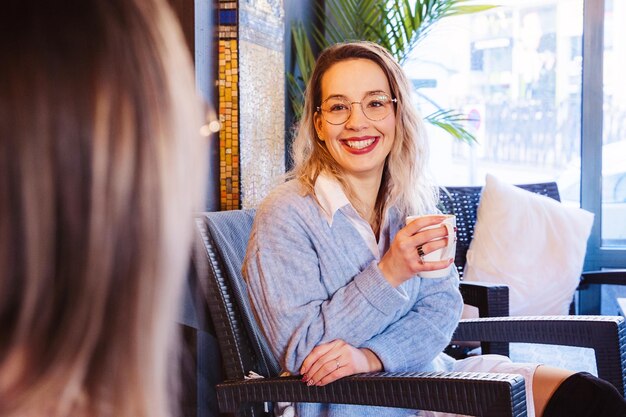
(100, 173)
(405, 184)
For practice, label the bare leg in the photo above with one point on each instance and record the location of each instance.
(545, 381)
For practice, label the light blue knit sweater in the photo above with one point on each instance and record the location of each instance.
(311, 283)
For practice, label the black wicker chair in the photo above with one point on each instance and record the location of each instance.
(492, 300)
(221, 242)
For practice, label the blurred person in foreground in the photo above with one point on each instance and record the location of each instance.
(100, 173)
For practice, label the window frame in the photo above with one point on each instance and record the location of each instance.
(597, 257)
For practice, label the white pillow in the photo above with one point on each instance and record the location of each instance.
(531, 243)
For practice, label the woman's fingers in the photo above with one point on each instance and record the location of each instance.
(428, 235)
(329, 371)
(433, 245)
(421, 263)
(416, 255)
(334, 373)
(342, 359)
(421, 222)
(432, 265)
(317, 352)
(403, 261)
(434, 239)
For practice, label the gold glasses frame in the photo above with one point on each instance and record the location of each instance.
(341, 116)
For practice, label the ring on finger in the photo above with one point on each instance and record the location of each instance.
(338, 364)
(420, 252)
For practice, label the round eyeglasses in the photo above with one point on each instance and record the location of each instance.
(336, 110)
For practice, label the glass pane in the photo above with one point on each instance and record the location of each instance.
(516, 72)
(614, 126)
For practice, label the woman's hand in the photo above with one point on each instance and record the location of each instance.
(402, 262)
(330, 361)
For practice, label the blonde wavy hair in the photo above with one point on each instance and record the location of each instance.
(100, 173)
(405, 183)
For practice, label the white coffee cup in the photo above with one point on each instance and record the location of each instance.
(441, 254)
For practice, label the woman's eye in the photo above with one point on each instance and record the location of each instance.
(338, 107)
(376, 103)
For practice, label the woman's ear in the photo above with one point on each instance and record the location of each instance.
(317, 122)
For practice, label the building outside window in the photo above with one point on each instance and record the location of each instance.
(516, 72)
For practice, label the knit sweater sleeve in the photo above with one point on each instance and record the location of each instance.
(413, 342)
(296, 309)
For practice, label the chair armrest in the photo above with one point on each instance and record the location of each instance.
(615, 277)
(590, 295)
(492, 300)
(606, 335)
(484, 394)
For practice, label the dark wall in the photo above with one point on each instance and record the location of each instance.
(295, 10)
(198, 19)
(184, 9)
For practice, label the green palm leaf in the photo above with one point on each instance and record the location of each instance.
(409, 22)
(452, 122)
(351, 19)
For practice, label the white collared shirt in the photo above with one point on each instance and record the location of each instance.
(332, 198)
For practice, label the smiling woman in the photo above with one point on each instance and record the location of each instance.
(337, 278)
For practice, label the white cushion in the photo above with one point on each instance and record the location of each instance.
(531, 243)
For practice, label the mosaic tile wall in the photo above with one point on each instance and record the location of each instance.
(262, 97)
(228, 86)
(251, 84)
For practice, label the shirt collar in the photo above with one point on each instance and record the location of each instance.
(330, 196)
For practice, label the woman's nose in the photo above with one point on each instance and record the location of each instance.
(357, 119)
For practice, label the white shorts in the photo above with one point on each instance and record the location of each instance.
(496, 364)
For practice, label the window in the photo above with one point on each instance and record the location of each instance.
(517, 73)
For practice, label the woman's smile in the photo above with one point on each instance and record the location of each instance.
(360, 145)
